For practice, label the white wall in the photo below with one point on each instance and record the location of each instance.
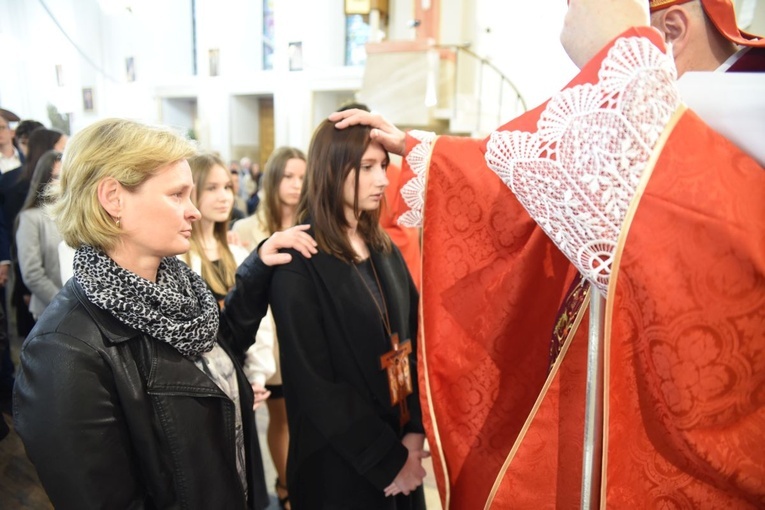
(107, 38)
(522, 39)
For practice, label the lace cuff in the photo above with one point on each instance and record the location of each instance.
(413, 191)
(577, 175)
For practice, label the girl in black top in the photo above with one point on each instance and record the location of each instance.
(347, 322)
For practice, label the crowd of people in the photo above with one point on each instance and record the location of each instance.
(167, 297)
(29, 158)
(150, 251)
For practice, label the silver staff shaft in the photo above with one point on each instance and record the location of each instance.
(593, 418)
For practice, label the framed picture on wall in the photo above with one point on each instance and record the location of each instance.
(130, 69)
(87, 99)
(296, 56)
(59, 75)
(214, 55)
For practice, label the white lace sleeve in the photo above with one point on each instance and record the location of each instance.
(413, 191)
(578, 173)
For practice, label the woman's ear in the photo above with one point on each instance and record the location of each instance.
(110, 193)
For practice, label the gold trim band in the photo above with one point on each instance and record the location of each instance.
(423, 347)
(628, 218)
(542, 394)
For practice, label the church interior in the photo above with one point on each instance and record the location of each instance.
(243, 77)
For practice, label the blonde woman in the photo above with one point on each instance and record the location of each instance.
(129, 393)
(281, 187)
(214, 259)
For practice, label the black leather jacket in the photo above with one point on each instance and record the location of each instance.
(112, 418)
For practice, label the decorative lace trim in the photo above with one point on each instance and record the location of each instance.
(578, 173)
(414, 190)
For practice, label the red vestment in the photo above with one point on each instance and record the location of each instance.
(685, 333)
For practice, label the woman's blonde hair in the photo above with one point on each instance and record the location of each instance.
(125, 150)
(220, 282)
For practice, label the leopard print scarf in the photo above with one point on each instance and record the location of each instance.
(177, 309)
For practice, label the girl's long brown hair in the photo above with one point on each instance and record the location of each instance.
(332, 156)
(273, 173)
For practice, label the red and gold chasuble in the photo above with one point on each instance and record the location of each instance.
(685, 332)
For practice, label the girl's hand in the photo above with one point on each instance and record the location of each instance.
(260, 393)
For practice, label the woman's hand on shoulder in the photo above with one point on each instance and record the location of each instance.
(295, 237)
